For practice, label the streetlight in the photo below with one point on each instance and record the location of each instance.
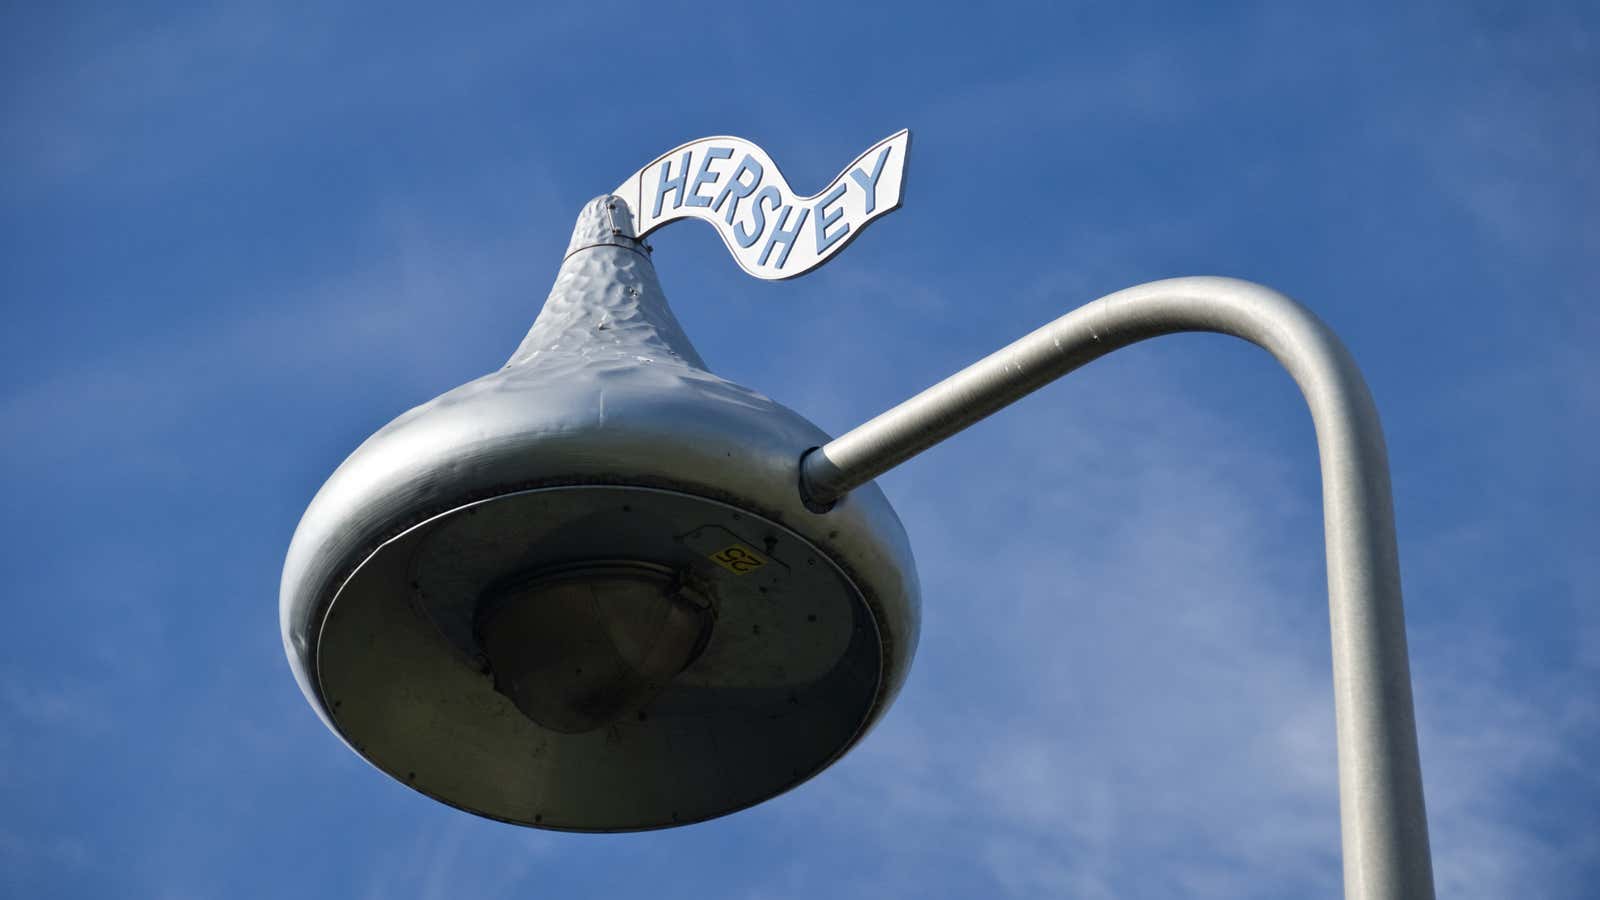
(602, 589)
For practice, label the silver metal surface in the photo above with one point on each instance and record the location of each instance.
(1383, 820)
(602, 439)
(772, 232)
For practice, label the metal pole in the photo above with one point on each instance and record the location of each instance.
(1382, 817)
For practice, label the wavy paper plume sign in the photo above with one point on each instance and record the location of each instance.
(771, 231)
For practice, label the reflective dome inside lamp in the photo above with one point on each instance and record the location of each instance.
(583, 592)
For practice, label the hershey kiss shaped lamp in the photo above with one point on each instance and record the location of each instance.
(603, 589)
(584, 592)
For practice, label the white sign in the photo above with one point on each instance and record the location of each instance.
(771, 231)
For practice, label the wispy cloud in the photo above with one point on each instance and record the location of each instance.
(1124, 688)
(1108, 701)
(69, 708)
(418, 308)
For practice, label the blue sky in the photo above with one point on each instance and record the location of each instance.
(234, 241)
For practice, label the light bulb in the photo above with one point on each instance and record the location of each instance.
(580, 647)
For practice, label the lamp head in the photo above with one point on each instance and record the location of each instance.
(582, 592)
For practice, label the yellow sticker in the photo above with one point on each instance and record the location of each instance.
(738, 559)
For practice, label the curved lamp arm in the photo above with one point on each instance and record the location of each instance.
(1382, 818)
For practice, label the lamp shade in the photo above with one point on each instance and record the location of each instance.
(583, 593)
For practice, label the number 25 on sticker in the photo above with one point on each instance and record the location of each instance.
(738, 559)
